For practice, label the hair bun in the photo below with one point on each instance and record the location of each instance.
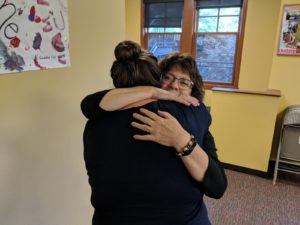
(127, 50)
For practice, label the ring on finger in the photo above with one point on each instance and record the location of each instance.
(147, 129)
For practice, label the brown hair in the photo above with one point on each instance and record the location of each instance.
(188, 65)
(134, 66)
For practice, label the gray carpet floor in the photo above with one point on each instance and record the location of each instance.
(252, 200)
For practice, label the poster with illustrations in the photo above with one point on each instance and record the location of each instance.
(289, 43)
(34, 35)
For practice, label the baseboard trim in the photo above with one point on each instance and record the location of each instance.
(249, 171)
(268, 174)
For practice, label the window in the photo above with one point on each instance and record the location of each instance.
(163, 26)
(215, 40)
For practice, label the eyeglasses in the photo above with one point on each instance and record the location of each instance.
(182, 83)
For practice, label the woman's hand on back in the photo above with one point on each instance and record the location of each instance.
(163, 128)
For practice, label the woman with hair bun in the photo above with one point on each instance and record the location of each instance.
(131, 61)
(157, 182)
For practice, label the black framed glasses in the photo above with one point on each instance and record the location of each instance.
(182, 82)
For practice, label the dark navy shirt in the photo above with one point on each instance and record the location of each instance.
(140, 182)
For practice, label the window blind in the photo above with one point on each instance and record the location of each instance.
(163, 13)
(218, 3)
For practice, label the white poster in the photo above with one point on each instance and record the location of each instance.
(33, 35)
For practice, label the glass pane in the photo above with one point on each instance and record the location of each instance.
(156, 30)
(173, 30)
(162, 44)
(208, 12)
(207, 24)
(228, 24)
(215, 57)
(230, 11)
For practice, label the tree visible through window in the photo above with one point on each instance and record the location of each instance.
(216, 40)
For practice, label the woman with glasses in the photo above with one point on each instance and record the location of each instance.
(179, 76)
(181, 82)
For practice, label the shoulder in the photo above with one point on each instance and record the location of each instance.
(97, 95)
(90, 104)
(202, 112)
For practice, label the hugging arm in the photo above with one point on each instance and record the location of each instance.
(95, 105)
(215, 182)
(202, 164)
(120, 98)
